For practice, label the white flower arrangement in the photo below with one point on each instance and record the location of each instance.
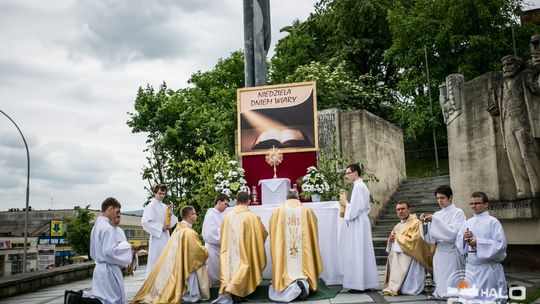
(231, 180)
(314, 182)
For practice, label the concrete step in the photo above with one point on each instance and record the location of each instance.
(381, 260)
(417, 210)
(436, 179)
(380, 250)
(419, 193)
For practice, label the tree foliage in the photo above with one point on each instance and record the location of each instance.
(350, 31)
(339, 88)
(186, 127)
(459, 36)
(79, 229)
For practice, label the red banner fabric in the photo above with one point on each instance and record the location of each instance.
(293, 167)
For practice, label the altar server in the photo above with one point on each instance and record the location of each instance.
(442, 231)
(179, 274)
(294, 248)
(356, 245)
(482, 239)
(242, 252)
(211, 235)
(408, 255)
(110, 255)
(121, 236)
(157, 219)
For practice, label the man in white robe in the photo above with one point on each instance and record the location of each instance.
(153, 222)
(482, 239)
(121, 236)
(356, 245)
(442, 231)
(211, 235)
(110, 255)
(408, 255)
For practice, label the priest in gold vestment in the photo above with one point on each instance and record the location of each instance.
(294, 248)
(408, 255)
(242, 260)
(179, 274)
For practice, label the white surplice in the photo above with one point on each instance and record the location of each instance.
(357, 259)
(110, 255)
(402, 264)
(447, 261)
(152, 222)
(211, 235)
(483, 269)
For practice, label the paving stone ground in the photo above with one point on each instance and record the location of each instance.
(55, 295)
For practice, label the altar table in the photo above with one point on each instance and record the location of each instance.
(329, 224)
(274, 190)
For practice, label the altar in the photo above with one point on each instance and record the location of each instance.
(329, 224)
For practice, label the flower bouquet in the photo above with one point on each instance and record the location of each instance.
(314, 184)
(230, 180)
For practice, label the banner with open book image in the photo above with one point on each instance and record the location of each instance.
(282, 116)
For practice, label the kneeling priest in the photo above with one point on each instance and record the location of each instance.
(242, 260)
(294, 248)
(180, 273)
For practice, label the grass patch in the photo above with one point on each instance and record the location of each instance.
(425, 167)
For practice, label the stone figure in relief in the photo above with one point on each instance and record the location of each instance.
(450, 96)
(520, 87)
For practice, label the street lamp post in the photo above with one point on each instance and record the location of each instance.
(27, 192)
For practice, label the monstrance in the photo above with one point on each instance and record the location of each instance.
(274, 158)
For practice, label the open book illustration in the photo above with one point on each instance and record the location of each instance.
(287, 138)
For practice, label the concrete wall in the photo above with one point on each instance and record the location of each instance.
(478, 162)
(471, 142)
(378, 144)
(29, 282)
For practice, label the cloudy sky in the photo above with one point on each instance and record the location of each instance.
(70, 70)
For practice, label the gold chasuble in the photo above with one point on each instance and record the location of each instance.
(242, 257)
(411, 242)
(167, 282)
(294, 245)
(409, 238)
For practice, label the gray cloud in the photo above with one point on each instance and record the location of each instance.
(124, 31)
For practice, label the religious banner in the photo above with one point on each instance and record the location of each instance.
(281, 116)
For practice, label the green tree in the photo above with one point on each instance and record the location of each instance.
(460, 36)
(79, 229)
(350, 31)
(339, 88)
(186, 127)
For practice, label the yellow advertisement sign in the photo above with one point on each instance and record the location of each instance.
(57, 228)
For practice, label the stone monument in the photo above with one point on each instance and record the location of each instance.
(494, 142)
(256, 41)
(519, 89)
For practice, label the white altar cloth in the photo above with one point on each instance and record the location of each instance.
(274, 190)
(329, 224)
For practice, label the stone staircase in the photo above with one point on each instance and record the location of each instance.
(419, 193)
